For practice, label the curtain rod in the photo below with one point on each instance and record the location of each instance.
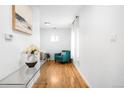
(75, 19)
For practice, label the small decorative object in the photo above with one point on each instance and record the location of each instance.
(47, 56)
(32, 53)
(22, 18)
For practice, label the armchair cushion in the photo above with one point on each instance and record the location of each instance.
(63, 53)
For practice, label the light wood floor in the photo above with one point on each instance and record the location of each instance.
(57, 75)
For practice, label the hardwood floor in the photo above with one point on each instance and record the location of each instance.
(57, 75)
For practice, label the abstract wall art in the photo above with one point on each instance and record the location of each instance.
(22, 18)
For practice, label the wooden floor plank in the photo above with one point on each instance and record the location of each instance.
(57, 75)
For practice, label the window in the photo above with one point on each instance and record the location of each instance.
(54, 38)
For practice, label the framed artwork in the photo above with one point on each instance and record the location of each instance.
(22, 18)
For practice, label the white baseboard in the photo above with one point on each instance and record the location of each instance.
(82, 75)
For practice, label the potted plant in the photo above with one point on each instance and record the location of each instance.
(32, 53)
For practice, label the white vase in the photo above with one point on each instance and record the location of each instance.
(31, 58)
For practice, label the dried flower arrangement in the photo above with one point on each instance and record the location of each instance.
(32, 55)
(32, 49)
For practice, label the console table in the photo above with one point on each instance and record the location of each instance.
(22, 78)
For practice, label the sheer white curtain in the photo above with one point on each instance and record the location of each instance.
(72, 42)
(75, 40)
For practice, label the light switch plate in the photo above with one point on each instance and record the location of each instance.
(8, 36)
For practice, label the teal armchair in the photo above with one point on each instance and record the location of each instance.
(63, 57)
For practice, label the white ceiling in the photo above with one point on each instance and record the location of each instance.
(59, 16)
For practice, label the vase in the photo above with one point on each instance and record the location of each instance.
(31, 60)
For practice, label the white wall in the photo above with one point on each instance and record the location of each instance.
(64, 43)
(10, 51)
(102, 45)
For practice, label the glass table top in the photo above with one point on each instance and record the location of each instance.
(22, 76)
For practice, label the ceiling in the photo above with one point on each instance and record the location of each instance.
(59, 16)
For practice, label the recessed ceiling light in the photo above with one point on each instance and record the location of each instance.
(47, 23)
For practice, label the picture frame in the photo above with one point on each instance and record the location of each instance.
(22, 18)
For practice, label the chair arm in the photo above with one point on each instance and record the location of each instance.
(57, 54)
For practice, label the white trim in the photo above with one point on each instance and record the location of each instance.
(82, 75)
(34, 79)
